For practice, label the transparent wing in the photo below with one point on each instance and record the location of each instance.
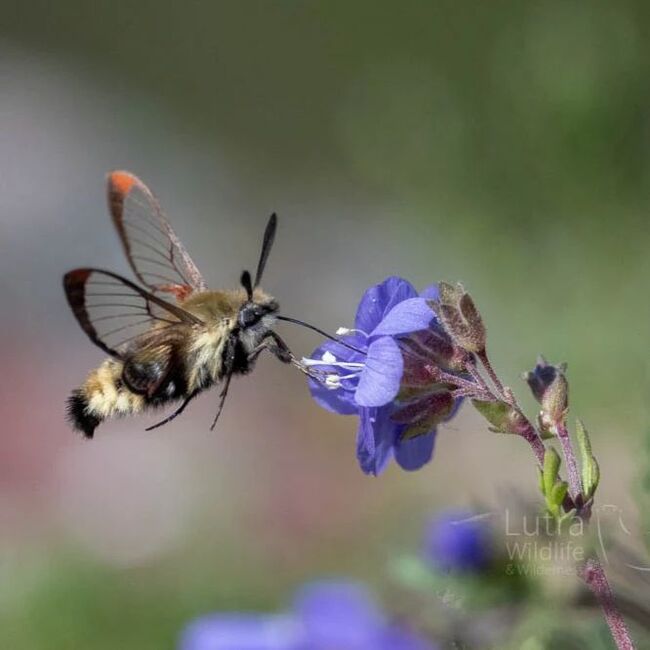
(113, 311)
(155, 253)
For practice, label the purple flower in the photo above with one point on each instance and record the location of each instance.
(458, 541)
(241, 632)
(325, 615)
(384, 371)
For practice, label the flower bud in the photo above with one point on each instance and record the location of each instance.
(550, 388)
(542, 376)
(460, 317)
(555, 402)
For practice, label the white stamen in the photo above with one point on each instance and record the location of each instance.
(332, 382)
(328, 357)
(343, 331)
(351, 365)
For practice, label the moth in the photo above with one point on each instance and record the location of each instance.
(170, 337)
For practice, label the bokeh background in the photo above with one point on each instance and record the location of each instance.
(503, 144)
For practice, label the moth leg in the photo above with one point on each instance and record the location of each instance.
(280, 350)
(276, 346)
(229, 367)
(178, 411)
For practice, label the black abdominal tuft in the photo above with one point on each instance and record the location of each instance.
(79, 416)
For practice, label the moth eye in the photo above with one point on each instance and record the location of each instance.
(170, 389)
(249, 315)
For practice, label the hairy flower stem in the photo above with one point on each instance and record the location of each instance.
(470, 366)
(503, 393)
(530, 435)
(594, 576)
(575, 484)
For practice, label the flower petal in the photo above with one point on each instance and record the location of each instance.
(339, 401)
(380, 379)
(458, 540)
(379, 300)
(341, 352)
(241, 632)
(413, 453)
(338, 614)
(431, 292)
(375, 439)
(396, 638)
(408, 316)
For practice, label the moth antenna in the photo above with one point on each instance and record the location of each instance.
(245, 281)
(295, 321)
(267, 244)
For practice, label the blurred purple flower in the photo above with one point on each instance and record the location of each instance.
(241, 632)
(397, 341)
(458, 541)
(325, 615)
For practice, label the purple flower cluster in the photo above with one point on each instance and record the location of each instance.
(325, 615)
(457, 540)
(385, 372)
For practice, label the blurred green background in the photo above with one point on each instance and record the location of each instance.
(504, 144)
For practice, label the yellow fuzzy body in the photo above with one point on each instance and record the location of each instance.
(201, 348)
(106, 394)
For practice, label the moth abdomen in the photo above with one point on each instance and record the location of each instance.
(79, 414)
(103, 395)
(107, 392)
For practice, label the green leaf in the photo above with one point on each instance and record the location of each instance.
(551, 469)
(411, 572)
(567, 516)
(595, 473)
(558, 493)
(590, 472)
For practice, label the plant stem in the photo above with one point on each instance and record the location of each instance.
(575, 484)
(592, 572)
(594, 576)
(532, 437)
(529, 434)
(492, 375)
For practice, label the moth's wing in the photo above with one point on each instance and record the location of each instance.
(114, 312)
(153, 250)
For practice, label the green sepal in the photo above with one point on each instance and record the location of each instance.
(418, 429)
(503, 417)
